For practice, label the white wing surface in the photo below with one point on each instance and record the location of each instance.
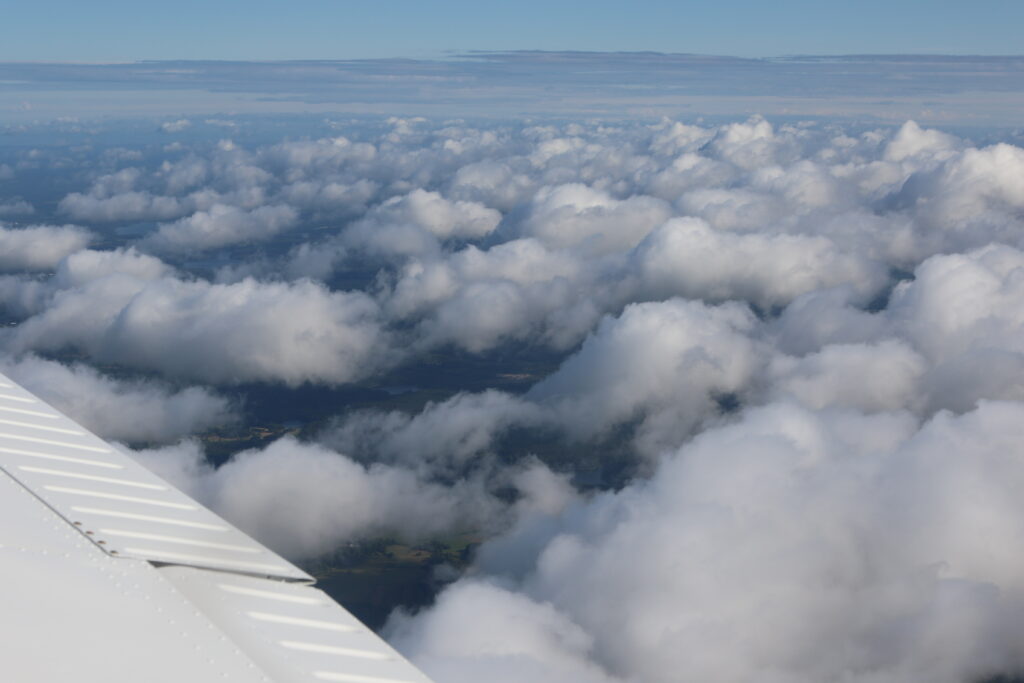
(111, 574)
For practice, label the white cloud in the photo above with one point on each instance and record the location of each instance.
(39, 247)
(222, 225)
(790, 335)
(416, 224)
(963, 313)
(972, 198)
(91, 265)
(574, 215)
(185, 174)
(752, 145)
(304, 500)
(443, 437)
(685, 257)
(121, 410)
(481, 631)
(479, 299)
(341, 197)
(672, 138)
(222, 123)
(127, 206)
(913, 141)
(855, 539)
(868, 377)
(492, 183)
(319, 156)
(662, 364)
(129, 308)
(175, 126)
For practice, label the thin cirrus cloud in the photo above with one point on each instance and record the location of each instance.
(973, 90)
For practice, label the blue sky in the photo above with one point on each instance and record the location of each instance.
(122, 30)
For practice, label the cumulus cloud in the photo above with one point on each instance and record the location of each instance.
(229, 176)
(131, 309)
(39, 247)
(175, 126)
(442, 438)
(222, 225)
(478, 299)
(686, 257)
(493, 183)
(948, 338)
(913, 141)
(663, 364)
(962, 311)
(305, 500)
(125, 206)
(332, 197)
(971, 198)
(796, 348)
(659, 369)
(884, 376)
(317, 157)
(575, 215)
(415, 223)
(122, 410)
(484, 631)
(752, 145)
(853, 537)
(106, 278)
(218, 333)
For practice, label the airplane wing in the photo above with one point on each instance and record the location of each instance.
(111, 574)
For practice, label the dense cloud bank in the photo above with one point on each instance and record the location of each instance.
(806, 342)
(791, 545)
(482, 238)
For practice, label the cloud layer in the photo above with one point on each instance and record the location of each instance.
(788, 546)
(727, 401)
(121, 410)
(961, 89)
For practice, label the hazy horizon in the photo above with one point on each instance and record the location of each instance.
(934, 89)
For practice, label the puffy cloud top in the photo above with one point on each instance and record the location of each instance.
(222, 225)
(132, 411)
(39, 247)
(763, 407)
